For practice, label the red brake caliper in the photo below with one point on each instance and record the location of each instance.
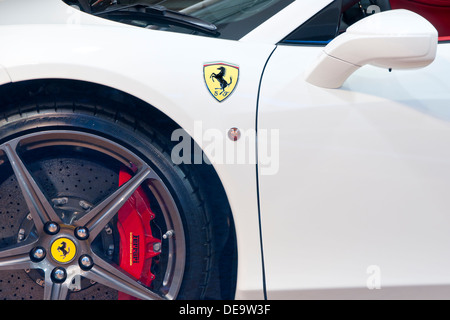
(137, 244)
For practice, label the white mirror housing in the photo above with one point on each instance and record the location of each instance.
(396, 39)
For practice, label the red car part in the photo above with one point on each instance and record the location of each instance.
(435, 11)
(138, 247)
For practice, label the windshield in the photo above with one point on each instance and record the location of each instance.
(233, 18)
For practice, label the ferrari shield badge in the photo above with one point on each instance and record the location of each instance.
(221, 79)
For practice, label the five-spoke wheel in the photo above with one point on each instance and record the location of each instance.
(68, 239)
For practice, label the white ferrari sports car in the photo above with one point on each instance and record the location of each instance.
(224, 149)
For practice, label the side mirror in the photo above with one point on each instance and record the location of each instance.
(397, 39)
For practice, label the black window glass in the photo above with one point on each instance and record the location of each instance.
(333, 20)
(233, 18)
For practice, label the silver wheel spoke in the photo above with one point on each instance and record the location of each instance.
(16, 257)
(96, 219)
(108, 275)
(55, 291)
(37, 203)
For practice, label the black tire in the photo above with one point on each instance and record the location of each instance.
(110, 124)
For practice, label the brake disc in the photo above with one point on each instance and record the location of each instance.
(67, 182)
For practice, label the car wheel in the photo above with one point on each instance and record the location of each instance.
(93, 208)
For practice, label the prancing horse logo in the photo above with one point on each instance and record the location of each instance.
(221, 79)
(63, 249)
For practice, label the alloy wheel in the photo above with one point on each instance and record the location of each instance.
(125, 233)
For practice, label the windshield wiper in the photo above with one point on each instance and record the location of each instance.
(157, 13)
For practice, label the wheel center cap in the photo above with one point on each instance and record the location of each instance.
(63, 250)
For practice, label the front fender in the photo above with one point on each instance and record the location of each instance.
(165, 70)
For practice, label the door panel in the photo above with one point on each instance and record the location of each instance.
(359, 206)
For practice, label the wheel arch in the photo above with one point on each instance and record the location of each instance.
(42, 93)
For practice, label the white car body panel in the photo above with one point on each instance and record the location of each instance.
(68, 51)
(29, 12)
(4, 76)
(385, 134)
(365, 173)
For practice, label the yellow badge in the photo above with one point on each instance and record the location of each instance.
(63, 250)
(221, 79)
